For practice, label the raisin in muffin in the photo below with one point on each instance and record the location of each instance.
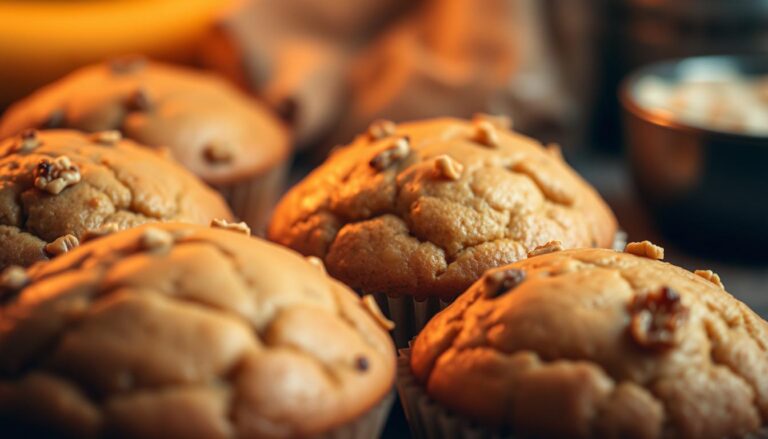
(221, 135)
(177, 331)
(609, 344)
(58, 187)
(421, 210)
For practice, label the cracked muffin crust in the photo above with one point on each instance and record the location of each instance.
(611, 344)
(176, 331)
(57, 186)
(424, 208)
(210, 127)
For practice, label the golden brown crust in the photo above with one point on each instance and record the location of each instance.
(210, 127)
(216, 334)
(565, 340)
(121, 184)
(426, 209)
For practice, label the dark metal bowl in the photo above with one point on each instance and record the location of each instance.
(707, 189)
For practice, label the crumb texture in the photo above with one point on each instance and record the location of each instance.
(423, 207)
(208, 125)
(121, 184)
(614, 345)
(213, 334)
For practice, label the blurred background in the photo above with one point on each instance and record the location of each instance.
(661, 104)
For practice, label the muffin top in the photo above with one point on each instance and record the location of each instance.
(426, 207)
(613, 344)
(177, 331)
(57, 186)
(212, 128)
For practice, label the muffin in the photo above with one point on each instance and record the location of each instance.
(590, 343)
(221, 135)
(420, 210)
(59, 187)
(178, 331)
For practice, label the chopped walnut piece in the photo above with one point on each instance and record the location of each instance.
(241, 227)
(554, 150)
(317, 262)
(361, 363)
(61, 245)
(549, 247)
(104, 230)
(139, 100)
(500, 121)
(13, 278)
(399, 149)
(28, 141)
(107, 138)
(369, 303)
(156, 239)
(485, 134)
(645, 249)
(55, 176)
(499, 282)
(710, 276)
(380, 129)
(655, 318)
(218, 152)
(447, 167)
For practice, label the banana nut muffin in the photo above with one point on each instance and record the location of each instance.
(229, 140)
(178, 331)
(597, 343)
(57, 187)
(424, 208)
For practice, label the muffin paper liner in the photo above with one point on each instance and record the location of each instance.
(367, 426)
(429, 420)
(411, 315)
(252, 199)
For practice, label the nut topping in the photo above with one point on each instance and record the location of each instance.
(28, 141)
(370, 305)
(710, 276)
(61, 245)
(55, 176)
(485, 134)
(645, 249)
(498, 283)
(107, 138)
(361, 363)
(317, 262)
(549, 247)
(655, 318)
(497, 120)
(218, 152)
(380, 129)
(13, 278)
(241, 227)
(447, 167)
(399, 149)
(156, 239)
(139, 100)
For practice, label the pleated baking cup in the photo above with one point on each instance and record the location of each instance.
(429, 420)
(252, 199)
(368, 426)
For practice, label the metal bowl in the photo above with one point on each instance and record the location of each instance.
(707, 189)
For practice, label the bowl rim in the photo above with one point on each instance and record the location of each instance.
(630, 104)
